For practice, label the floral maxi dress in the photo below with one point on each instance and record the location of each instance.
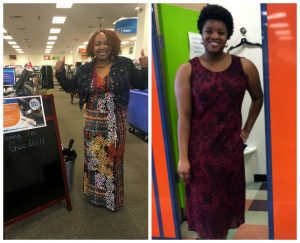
(104, 143)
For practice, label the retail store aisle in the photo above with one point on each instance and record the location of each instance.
(256, 217)
(86, 221)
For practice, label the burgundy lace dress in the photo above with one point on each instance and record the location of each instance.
(216, 191)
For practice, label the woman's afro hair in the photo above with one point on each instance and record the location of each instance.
(212, 11)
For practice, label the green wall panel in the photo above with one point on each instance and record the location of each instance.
(175, 23)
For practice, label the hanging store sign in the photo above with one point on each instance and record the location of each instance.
(126, 26)
(47, 57)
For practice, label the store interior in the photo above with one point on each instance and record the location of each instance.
(29, 45)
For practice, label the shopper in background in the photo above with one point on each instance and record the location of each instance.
(103, 85)
(209, 92)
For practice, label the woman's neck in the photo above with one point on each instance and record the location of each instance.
(102, 63)
(214, 57)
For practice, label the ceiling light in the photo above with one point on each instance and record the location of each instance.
(52, 37)
(15, 46)
(50, 42)
(138, 9)
(58, 20)
(133, 38)
(124, 42)
(18, 49)
(64, 5)
(54, 30)
(12, 42)
(49, 47)
(7, 37)
(81, 47)
(4, 30)
(85, 43)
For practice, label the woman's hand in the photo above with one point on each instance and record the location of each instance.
(244, 135)
(184, 169)
(60, 65)
(143, 60)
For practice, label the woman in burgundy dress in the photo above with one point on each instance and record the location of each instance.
(209, 92)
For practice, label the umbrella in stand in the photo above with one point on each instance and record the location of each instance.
(68, 153)
(69, 158)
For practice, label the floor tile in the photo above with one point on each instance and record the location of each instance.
(259, 205)
(256, 217)
(251, 232)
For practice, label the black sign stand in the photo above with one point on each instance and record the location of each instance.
(34, 171)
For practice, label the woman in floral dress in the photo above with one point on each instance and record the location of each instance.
(103, 85)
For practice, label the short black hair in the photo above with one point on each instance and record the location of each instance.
(213, 11)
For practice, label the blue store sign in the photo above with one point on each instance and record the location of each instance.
(126, 26)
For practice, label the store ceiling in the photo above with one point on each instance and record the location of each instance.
(29, 24)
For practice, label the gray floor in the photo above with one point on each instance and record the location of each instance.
(86, 221)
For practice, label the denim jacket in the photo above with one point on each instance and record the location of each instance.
(123, 73)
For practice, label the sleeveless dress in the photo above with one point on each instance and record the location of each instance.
(216, 191)
(104, 144)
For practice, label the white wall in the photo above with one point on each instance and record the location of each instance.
(248, 16)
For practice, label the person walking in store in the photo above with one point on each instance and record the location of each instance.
(104, 85)
(209, 92)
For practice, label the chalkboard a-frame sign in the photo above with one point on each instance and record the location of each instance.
(34, 170)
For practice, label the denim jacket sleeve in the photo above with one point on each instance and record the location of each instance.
(139, 78)
(68, 85)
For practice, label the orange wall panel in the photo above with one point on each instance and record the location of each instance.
(282, 80)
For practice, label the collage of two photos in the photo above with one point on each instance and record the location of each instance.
(149, 121)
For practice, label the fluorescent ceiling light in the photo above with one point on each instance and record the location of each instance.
(54, 30)
(49, 47)
(124, 42)
(58, 20)
(4, 30)
(81, 46)
(51, 37)
(15, 46)
(64, 5)
(50, 42)
(12, 42)
(279, 25)
(85, 43)
(7, 37)
(18, 49)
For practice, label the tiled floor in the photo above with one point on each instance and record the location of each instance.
(256, 216)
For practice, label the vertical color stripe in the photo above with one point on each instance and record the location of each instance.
(265, 52)
(282, 75)
(157, 225)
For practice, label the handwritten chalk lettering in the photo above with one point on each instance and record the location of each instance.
(34, 143)
(31, 133)
(12, 137)
(13, 147)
